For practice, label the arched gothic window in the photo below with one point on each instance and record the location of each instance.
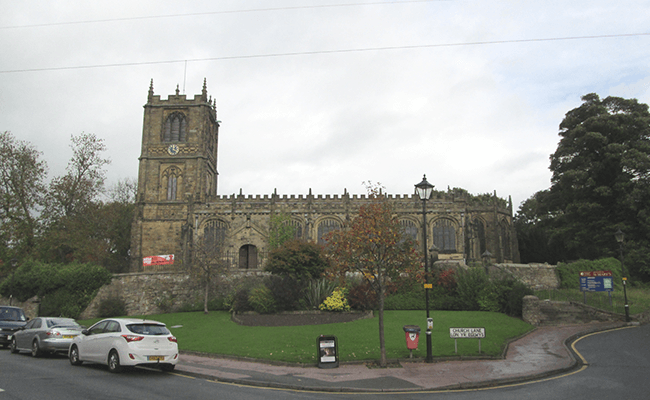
(170, 178)
(175, 129)
(214, 233)
(297, 229)
(410, 230)
(326, 226)
(444, 235)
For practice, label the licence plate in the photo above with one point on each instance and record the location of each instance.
(155, 358)
(69, 336)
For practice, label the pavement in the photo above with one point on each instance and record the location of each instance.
(542, 353)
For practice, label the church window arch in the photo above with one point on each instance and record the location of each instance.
(410, 229)
(171, 177)
(444, 235)
(326, 226)
(214, 233)
(175, 128)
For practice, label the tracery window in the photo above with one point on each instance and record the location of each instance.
(326, 226)
(175, 129)
(170, 178)
(444, 235)
(214, 233)
(410, 230)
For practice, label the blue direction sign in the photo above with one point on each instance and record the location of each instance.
(596, 281)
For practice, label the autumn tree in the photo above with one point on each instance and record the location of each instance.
(375, 247)
(22, 174)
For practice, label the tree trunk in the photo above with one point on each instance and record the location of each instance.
(382, 342)
(205, 296)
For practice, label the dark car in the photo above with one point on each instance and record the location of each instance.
(11, 320)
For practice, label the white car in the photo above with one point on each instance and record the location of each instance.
(119, 342)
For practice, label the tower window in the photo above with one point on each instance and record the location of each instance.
(175, 129)
(170, 177)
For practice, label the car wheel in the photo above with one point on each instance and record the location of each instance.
(167, 367)
(74, 356)
(114, 361)
(36, 349)
(13, 347)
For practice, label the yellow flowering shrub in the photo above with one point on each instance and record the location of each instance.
(335, 302)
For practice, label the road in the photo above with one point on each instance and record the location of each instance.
(618, 366)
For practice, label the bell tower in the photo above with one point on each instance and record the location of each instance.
(177, 171)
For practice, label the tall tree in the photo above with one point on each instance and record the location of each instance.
(72, 212)
(600, 182)
(280, 230)
(84, 178)
(208, 262)
(376, 247)
(22, 174)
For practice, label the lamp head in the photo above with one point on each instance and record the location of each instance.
(424, 189)
(619, 235)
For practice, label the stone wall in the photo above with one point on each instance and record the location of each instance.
(148, 293)
(145, 293)
(535, 276)
(546, 312)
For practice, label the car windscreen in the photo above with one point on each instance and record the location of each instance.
(148, 329)
(11, 314)
(62, 323)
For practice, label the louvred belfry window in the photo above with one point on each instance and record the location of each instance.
(175, 129)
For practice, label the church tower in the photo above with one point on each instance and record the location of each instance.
(177, 171)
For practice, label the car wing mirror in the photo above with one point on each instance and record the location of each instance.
(85, 332)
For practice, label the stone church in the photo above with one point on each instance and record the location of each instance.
(177, 204)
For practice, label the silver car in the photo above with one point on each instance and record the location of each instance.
(46, 335)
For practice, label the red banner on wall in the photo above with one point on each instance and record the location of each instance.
(595, 273)
(158, 260)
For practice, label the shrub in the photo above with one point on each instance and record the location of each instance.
(570, 273)
(299, 259)
(65, 290)
(470, 283)
(447, 280)
(261, 299)
(335, 302)
(362, 297)
(112, 307)
(240, 301)
(317, 291)
(286, 292)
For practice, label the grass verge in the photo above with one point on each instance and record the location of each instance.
(357, 341)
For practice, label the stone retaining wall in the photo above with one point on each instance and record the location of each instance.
(545, 312)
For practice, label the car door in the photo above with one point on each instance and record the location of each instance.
(25, 335)
(89, 343)
(105, 343)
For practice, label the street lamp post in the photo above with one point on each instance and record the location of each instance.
(424, 190)
(619, 235)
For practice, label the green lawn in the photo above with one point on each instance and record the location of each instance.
(357, 341)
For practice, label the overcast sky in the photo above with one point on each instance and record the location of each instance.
(326, 94)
